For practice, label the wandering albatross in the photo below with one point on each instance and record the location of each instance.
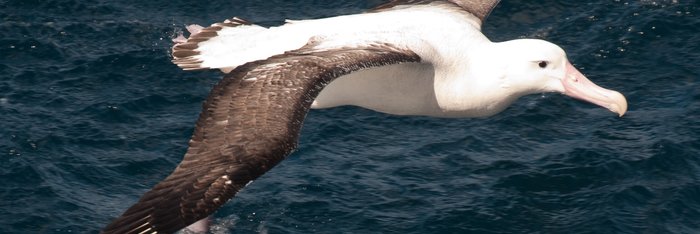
(405, 57)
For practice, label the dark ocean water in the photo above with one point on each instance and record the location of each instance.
(93, 113)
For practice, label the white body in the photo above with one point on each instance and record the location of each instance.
(405, 89)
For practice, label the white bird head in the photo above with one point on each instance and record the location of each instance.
(533, 66)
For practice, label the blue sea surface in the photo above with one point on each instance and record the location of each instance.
(93, 114)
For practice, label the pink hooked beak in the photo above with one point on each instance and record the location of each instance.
(576, 85)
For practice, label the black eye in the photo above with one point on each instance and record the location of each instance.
(542, 64)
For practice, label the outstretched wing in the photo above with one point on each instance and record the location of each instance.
(478, 8)
(249, 123)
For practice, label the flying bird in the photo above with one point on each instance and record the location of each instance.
(405, 57)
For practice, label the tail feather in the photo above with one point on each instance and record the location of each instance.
(226, 45)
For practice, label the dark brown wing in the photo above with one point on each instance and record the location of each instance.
(479, 8)
(249, 123)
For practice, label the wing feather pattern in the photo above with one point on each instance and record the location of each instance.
(478, 8)
(249, 123)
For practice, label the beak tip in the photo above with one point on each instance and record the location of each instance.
(618, 104)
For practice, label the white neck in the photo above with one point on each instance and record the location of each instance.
(460, 87)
